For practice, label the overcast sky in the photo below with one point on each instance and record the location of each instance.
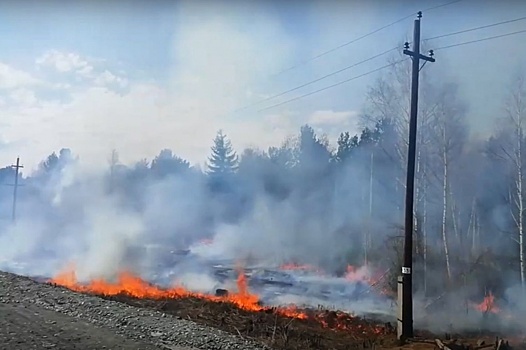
(140, 76)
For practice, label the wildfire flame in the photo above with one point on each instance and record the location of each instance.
(133, 286)
(365, 275)
(206, 241)
(353, 274)
(297, 267)
(488, 304)
(358, 274)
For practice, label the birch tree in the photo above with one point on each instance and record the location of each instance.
(514, 151)
(449, 136)
(507, 149)
(390, 98)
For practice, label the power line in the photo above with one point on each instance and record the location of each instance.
(366, 60)
(316, 80)
(479, 40)
(388, 65)
(362, 37)
(331, 86)
(343, 45)
(439, 6)
(477, 28)
(385, 52)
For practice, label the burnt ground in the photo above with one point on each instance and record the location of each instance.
(279, 332)
(276, 331)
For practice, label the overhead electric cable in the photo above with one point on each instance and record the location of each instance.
(392, 64)
(477, 28)
(439, 6)
(363, 37)
(317, 80)
(381, 54)
(479, 40)
(331, 86)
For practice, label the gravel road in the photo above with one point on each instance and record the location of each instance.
(32, 327)
(40, 316)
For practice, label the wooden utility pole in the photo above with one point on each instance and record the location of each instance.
(15, 186)
(405, 324)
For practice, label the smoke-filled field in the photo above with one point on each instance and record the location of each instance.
(299, 227)
(306, 225)
(301, 236)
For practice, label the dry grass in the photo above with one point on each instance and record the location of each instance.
(276, 331)
(280, 332)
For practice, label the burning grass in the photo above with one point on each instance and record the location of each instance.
(241, 313)
(270, 327)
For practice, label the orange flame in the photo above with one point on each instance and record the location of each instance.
(133, 286)
(358, 274)
(297, 267)
(206, 241)
(366, 275)
(488, 304)
(343, 321)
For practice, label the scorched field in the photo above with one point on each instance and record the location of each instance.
(241, 313)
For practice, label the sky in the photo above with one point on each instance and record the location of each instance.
(140, 76)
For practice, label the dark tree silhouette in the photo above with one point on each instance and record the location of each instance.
(166, 163)
(224, 160)
(346, 145)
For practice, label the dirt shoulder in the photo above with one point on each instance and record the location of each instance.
(34, 315)
(31, 327)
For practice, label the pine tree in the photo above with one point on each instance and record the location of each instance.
(313, 151)
(224, 160)
(56, 162)
(346, 145)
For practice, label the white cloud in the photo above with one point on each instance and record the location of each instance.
(83, 68)
(108, 78)
(64, 61)
(85, 71)
(332, 123)
(218, 65)
(24, 97)
(332, 118)
(138, 123)
(11, 78)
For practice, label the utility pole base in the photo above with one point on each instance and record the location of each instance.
(400, 322)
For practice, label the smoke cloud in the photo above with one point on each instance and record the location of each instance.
(299, 198)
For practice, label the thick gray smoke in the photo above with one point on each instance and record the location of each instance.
(136, 218)
(303, 202)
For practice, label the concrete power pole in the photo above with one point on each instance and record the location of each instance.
(405, 282)
(15, 186)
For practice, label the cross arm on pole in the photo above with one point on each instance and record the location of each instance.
(419, 56)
